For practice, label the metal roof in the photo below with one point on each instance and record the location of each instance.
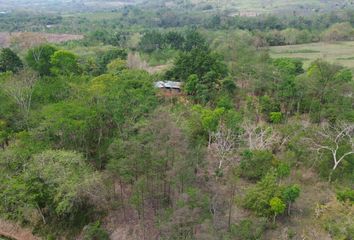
(168, 84)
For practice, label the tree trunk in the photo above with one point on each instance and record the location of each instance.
(230, 207)
(122, 196)
(330, 176)
(209, 141)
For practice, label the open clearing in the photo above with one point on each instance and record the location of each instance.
(254, 7)
(14, 231)
(341, 53)
(5, 37)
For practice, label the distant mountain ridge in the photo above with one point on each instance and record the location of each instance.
(259, 6)
(241, 7)
(62, 5)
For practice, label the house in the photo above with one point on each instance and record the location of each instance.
(169, 88)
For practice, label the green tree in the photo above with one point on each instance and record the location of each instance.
(289, 66)
(208, 119)
(67, 125)
(283, 170)
(346, 195)
(64, 63)
(276, 117)
(9, 61)
(19, 87)
(4, 139)
(339, 32)
(194, 40)
(120, 39)
(290, 194)
(258, 197)
(55, 185)
(225, 102)
(151, 41)
(268, 105)
(249, 230)
(200, 62)
(106, 57)
(229, 86)
(255, 164)
(323, 86)
(39, 58)
(174, 40)
(191, 85)
(277, 206)
(94, 231)
(68, 173)
(116, 66)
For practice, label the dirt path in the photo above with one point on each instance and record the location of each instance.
(14, 231)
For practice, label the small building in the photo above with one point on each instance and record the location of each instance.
(169, 88)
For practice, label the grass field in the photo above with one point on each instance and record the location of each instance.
(341, 53)
(6, 38)
(247, 7)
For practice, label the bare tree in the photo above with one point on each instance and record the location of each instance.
(334, 139)
(134, 61)
(260, 137)
(224, 144)
(20, 87)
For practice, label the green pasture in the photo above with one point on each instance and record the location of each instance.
(341, 53)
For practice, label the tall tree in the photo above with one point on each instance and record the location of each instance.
(323, 85)
(39, 58)
(290, 194)
(64, 63)
(9, 61)
(200, 62)
(336, 140)
(151, 41)
(20, 87)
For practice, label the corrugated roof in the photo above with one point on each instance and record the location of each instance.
(168, 84)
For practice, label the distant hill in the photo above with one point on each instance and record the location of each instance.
(254, 7)
(233, 7)
(63, 5)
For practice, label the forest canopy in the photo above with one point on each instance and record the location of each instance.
(177, 121)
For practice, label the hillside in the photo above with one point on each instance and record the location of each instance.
(176, 120)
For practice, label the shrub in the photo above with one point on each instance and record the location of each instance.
(337, 219)
(276, 117)
(116, 66)
(255, 164)
(248, 229)
(283, 170)
(346, 195)
(94, 231)
(258, 197)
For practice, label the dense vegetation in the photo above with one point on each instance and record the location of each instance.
(252, 148)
